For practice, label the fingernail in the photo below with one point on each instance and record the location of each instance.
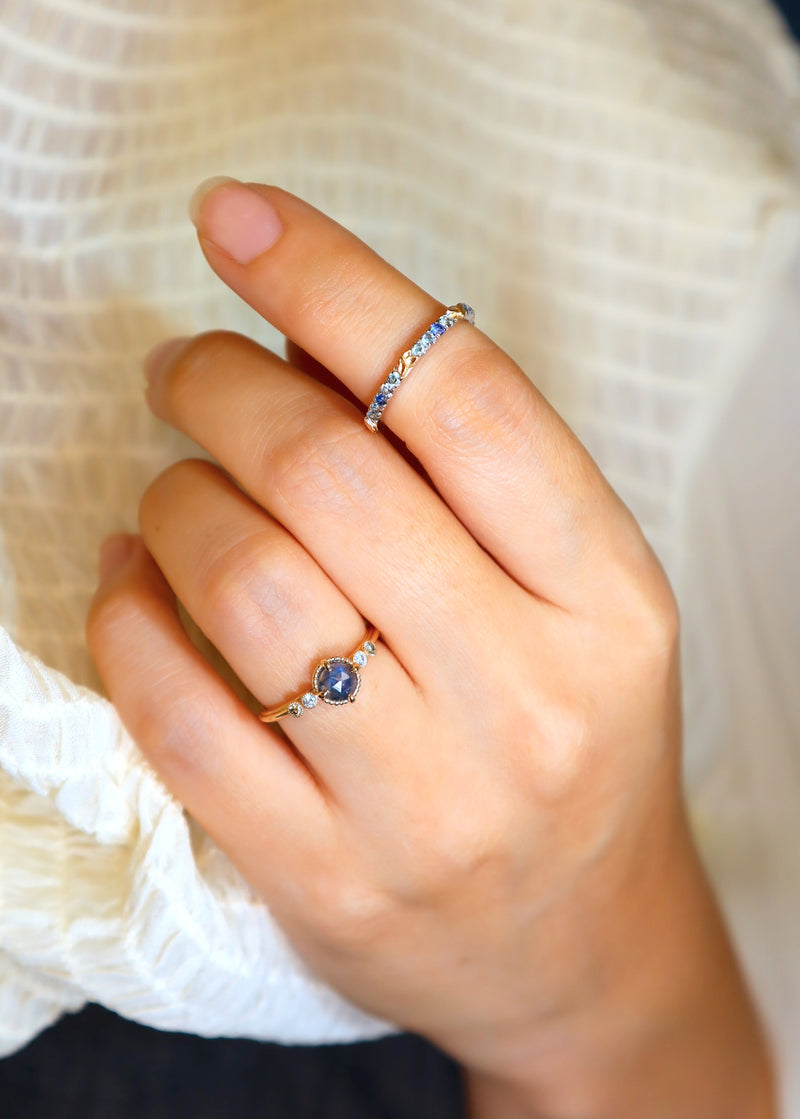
(161, 355)
(202, 190)
(238, 219)
(114, 551)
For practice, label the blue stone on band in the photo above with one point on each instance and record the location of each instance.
(459, 312)
(337, 680)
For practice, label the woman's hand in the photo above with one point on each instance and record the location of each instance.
(489, 846)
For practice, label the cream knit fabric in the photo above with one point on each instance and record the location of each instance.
(612, 184)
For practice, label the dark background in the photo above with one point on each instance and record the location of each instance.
(94, 1065)
(791, 9)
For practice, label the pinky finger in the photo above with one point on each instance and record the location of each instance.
(240, 780)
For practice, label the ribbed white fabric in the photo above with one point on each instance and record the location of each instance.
(612, 184)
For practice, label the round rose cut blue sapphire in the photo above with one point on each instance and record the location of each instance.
(337, 680)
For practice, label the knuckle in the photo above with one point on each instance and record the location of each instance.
(344, 298)
(461, 849)
(173, 720)
(638, 627)
(166, 721)
(561, 742)
(478, 405)
(172, 482)
(327, 464)
(662, 617)
(178, 730)
(200, 357)
(112, 612)
(651, 619)
(348, 913)
(441, 856)
(321, 299)
(252, 584)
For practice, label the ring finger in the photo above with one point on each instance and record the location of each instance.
(273, 614)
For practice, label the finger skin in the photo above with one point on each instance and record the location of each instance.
(246, 582)
(274, 615)
(237, 777)
(620, 962)
(536, 907)
(503, 460)
(303, 361)
(371, 523)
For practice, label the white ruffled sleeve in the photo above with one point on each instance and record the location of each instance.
(108, 893)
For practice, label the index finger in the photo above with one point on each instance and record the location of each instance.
(499, 455)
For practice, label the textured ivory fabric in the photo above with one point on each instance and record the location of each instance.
(613, 184)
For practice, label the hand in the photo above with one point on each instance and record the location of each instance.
(489, 846)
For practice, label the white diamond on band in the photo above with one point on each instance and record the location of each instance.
(336, 681)
(406, 362)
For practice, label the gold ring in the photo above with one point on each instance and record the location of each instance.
(336, 680)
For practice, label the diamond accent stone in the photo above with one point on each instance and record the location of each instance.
(360, 658)
(309, 700)
(369, 648)
(393, 378)
(295, 709)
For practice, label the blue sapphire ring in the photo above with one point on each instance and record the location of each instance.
(406, 362)
(336, 680)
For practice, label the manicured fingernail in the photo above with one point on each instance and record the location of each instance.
(114, 551)
(238, 219)
(202, 190)
(161, 355)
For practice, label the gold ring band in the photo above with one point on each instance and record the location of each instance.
(336, 680)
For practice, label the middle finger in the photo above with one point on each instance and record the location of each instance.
(371, 522)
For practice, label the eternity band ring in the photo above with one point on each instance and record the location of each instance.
(336, 680)
(459, 312)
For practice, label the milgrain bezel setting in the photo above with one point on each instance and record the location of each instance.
(326, 695)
